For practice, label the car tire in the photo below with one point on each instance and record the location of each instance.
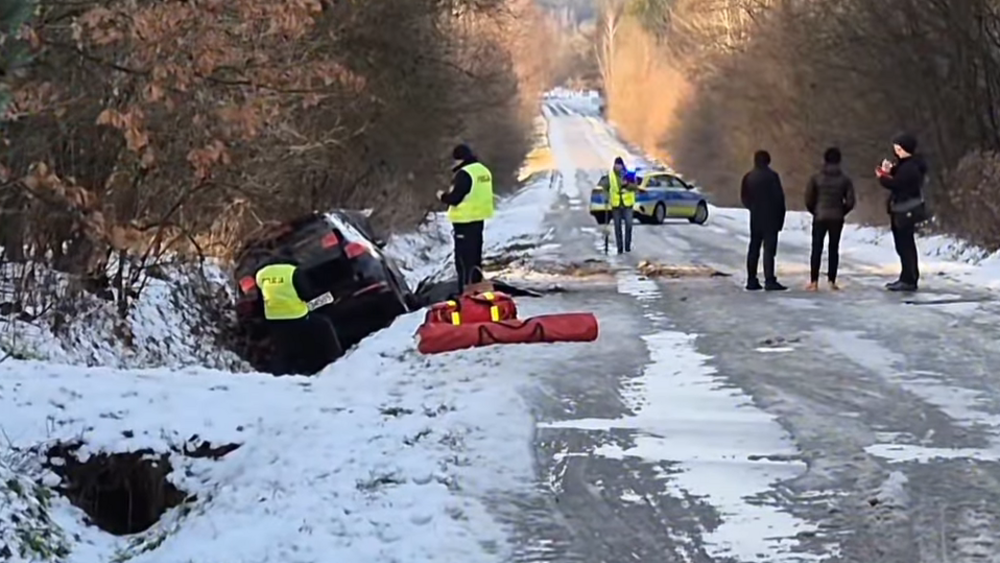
(700, 214)
(659, 213)
(601, 218)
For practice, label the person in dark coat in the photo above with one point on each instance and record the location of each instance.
(762, 194)
(470, 205)
(904, 179)
(829, 198)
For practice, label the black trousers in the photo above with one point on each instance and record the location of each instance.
(769, 240)
(820, 229)
(904, 237)
(304, 346)
(468, 253)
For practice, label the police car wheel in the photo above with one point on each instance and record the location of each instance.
(700, 214)
(659, 213)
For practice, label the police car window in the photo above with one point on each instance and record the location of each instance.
(672, 182)
(654, 182)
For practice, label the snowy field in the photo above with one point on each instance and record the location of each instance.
(385, 456)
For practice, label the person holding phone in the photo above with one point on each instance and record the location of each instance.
(904, 178)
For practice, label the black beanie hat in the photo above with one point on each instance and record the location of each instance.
(462, 152)
(906, 141)
(620, 160)
(832, 156)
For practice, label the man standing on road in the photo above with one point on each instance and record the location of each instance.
(470, 204)
(829, 198)
(762, 194)
(305, 343)
(621, 198)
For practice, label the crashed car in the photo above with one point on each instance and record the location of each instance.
(357, 286)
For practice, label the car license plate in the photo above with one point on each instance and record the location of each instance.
(321, 301)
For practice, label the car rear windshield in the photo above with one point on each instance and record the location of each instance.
(304, 241)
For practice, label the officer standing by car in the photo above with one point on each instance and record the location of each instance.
(621, 198)
(306, 343)
(470, 204)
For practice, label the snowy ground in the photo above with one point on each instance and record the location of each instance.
(398, 468)
(394, 469)
(165, 327)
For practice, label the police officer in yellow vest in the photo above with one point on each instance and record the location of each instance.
(305, 343)
(621, 195)
(470, 204)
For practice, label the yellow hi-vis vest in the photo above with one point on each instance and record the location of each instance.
(618, 196)
(281, 301)
(478, 205)
(456, 316)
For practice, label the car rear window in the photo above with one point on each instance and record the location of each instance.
(304, 241)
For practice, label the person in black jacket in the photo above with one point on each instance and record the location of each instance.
(904, 179)
(762, 194)
(468, 235)
(829, 198)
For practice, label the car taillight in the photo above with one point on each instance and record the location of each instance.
(330, 240)
(247, 284)
(355, 249)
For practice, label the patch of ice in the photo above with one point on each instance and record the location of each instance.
(966, 407)
(712, 432)
(684, 413)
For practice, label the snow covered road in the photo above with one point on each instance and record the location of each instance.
(722, 425)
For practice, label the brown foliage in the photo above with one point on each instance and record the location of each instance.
(142, 127)
(795, 77)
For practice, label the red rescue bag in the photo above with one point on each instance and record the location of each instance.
(488, 306)
(433, 338)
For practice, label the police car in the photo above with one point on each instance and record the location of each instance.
(662, 194)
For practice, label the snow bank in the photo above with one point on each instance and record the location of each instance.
(394, 463)
(940, 254)
(167, 325)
